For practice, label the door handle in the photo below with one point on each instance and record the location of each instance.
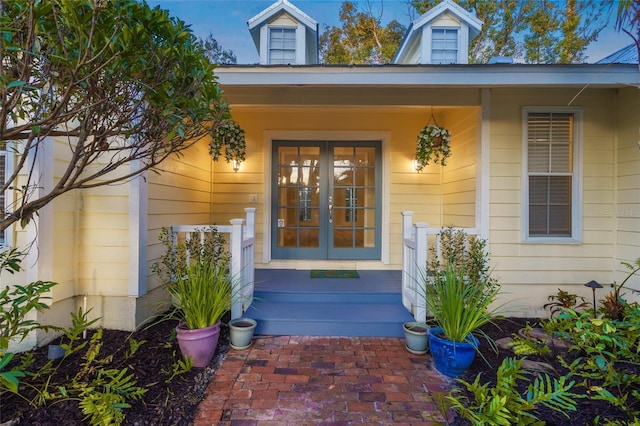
(330, 206)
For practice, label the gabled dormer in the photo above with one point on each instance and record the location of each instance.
(283, 34)
(439, 36)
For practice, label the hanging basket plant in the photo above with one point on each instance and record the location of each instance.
(434, 143)
(228, 136)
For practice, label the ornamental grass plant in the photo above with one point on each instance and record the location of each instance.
(458, 304)
(202, 294)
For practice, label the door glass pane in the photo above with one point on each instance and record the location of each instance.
(369, 240)
(366, 156)
(298, 196)
(354, 180)
(343, 238)
(342, 176)
(309, 237)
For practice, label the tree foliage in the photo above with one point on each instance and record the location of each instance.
(216, 53)
(362, 39)
(535, 31)
(628, 20)
(123, 85)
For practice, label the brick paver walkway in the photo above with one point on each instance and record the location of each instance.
(294, 380)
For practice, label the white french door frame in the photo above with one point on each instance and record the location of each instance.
(328, 135)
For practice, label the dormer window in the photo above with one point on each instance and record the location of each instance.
(444, 45)
(282, 45)
(441, 35)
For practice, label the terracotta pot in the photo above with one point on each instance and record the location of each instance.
(199, 344)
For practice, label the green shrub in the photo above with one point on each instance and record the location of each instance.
(178, 255)
(16, 303)
(604, 354)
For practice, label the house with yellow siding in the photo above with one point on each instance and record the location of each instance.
(545, 166)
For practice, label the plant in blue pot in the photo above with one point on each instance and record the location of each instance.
(459, 306)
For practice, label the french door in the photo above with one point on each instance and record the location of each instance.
(326, 200)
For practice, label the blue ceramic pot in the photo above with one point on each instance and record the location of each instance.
(451, 358)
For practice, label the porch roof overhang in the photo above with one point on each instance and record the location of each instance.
(406, 85)
(452, 76)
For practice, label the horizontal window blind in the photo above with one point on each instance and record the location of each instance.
(550, 146)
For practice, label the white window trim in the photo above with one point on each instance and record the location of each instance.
(281, 27)
(576, 189)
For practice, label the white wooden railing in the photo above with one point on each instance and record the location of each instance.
(241, 240)
(415, 256)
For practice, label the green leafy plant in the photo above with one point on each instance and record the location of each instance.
(103, 399)
(522, 346)
(230, 135)
(179, 367)
(202, 295)
(10, 260)
(463, 252)
(564, 300)
(613, 303)
(102, 389)
(503, 405)
(178, 254)
(459, 305)
(16, 304)
(434, 142)
(604, 355)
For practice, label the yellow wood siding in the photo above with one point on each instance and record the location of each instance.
(459, 175)
(549, 266)
(180, 194)
(626, 209)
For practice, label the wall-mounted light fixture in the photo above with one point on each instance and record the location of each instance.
(416, 165)
(236, 165)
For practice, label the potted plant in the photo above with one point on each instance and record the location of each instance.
(434, 142)
(459, 305)
(202, 295)
(241, 332)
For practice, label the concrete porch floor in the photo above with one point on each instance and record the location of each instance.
(315, 380)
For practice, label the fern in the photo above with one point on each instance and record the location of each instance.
(521, 346)
(503, 405)
(104, 399)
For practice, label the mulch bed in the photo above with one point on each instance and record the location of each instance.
(587, 409)
(176, 402)
(172, 403)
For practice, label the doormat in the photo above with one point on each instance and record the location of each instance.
(334, 273)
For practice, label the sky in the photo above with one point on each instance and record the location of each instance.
(227, 21)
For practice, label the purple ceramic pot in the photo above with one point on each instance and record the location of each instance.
(199, 344)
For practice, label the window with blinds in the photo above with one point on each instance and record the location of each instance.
(444, 46)
(550, 151)
(282, 46)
